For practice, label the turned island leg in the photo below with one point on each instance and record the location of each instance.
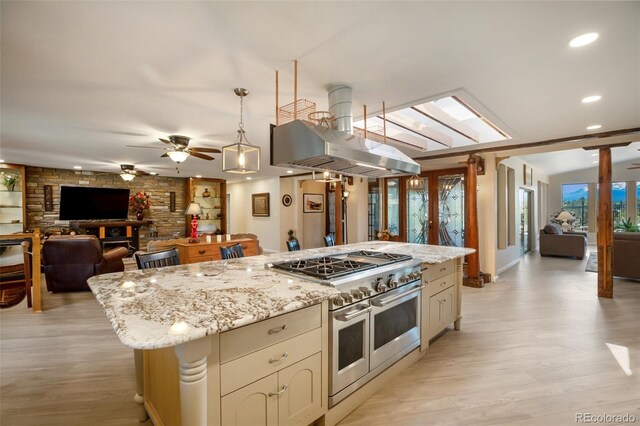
(192, 357)
(139, 398)
(459, 279)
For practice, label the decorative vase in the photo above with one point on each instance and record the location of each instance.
(206, 193)
(139, 215)
(11, 186)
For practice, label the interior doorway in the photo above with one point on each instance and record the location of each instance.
(526, 215)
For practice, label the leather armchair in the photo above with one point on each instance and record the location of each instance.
(69, 260)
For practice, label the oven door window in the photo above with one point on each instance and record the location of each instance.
(351, 345)
(395, 322)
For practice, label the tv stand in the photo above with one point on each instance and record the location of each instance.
(112, 233)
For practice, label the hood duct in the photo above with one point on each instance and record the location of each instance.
(303, 145)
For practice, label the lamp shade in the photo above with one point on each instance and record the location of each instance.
(565, 216)
(178, 156)
(127, 177)
(241, 158)
(193, 209)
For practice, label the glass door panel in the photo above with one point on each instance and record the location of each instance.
(418, 212)
(373, 222)
(525, 221)
(451, 210)
(393, 205)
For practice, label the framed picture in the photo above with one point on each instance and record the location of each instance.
(313, 203)
(260, 204)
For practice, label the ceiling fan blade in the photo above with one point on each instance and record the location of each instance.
(203, 156)
(166, 154)
(166, 141)
(631, 168)
(143, 146)
(214, 150)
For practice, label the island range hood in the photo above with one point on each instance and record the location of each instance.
(304, 145)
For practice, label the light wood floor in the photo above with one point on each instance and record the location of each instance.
(531, 351)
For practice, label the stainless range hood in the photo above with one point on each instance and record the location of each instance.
(303, 145)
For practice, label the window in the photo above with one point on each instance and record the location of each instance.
(575, 200)
(619, 202)
(393, 205)
(374, 209)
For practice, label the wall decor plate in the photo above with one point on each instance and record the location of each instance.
(287, 200)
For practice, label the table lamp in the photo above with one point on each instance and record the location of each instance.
(194, 210)
(565, 216)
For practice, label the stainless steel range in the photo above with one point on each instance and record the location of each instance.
(374, 321)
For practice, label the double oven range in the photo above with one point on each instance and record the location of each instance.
(374, 321)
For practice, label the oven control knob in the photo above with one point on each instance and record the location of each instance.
(404, 279)
(365, 291)
(392, 283)
(337, 301)
(415, 275)
(357, 294)
(347, 297)
(379, 287)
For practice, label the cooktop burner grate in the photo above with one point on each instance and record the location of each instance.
(391, 257)
(325, 267)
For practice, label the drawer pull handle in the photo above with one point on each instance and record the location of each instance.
(202, 251)
(284, 355)
(443, 284)
(284, 388)
(277, 329)
(443, 269)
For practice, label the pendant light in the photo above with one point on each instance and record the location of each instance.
(241, 157)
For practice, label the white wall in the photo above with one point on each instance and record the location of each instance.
(357, 211)
(313, 224)
(487, 213)
(241, 220)
(510, 255)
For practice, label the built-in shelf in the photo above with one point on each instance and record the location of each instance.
(6, 190)
(10, 223)
(10, 207)
(214, 205)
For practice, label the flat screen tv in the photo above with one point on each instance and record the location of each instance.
(87, 203)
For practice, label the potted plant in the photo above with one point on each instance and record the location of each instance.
(140, 202)
(385, 235)
(10, 180)
(627, 226)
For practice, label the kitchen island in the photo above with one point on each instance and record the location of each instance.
(205, 328)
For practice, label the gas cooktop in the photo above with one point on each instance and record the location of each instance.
(331, 267)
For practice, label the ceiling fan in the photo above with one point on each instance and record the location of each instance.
(636, 166)
(128, 172)
(179, 150)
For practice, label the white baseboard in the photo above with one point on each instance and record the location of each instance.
(508, 265)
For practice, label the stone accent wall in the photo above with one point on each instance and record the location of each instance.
(168, 224)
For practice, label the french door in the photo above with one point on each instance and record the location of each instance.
(429, 211)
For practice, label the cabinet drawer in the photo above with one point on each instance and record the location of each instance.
(201, 259)
(250, 338)
(242, 371)
(436, 286)
(202, 251)
(439, 270)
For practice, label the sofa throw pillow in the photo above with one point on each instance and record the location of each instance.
(553, 228)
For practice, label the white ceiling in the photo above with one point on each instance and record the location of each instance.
(81, 80)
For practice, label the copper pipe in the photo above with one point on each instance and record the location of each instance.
(365, 120)
(384, 121)
(295, 90)
(277, 109)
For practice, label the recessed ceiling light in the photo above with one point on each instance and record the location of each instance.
(595, 162)
(198, 176)
(583, 40)
(248, 177)
(594, 155)
(594, 127)
(289, 171)
(153, 173)
(592, 98)
(1, 161)
(77, 167)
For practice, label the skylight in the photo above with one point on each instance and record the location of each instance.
(448, 122)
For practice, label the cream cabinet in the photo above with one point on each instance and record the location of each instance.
(440, 304)
(279, 359)
(285, 398)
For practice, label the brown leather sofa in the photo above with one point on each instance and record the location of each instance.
(69, 260)
(626, 254)
(554, 242)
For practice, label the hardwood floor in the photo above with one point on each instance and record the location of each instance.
(531, 352)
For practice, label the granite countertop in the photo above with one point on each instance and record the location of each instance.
(164, 307)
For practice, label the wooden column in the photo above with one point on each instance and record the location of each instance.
(338, 213)
(192, 358)
(471, 225)
(605, 226)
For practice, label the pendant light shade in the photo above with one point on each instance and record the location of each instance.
(241, 157)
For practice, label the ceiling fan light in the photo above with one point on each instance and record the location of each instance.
(127, 177)
(178, 156)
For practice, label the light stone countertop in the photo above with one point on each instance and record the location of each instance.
(164, 307)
